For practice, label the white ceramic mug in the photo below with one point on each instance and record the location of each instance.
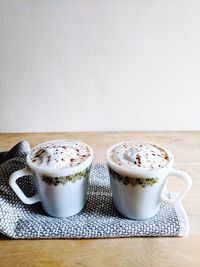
(138, 193)
(62, 192)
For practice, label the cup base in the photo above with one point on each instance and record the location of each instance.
(63, 215)
(137, 218)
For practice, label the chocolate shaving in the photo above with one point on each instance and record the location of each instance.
(39, 153)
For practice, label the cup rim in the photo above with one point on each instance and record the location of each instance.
(128, 171)
(63, 171)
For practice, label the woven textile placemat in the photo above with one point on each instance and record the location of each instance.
(99, 218)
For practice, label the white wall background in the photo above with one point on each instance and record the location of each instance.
(99, 65)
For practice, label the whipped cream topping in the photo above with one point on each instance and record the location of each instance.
(59, 154)
(139, 155)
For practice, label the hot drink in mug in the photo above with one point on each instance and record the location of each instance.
(138, 174)
(60, 169)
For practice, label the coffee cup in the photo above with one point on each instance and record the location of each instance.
(60, 170)
(139, 172)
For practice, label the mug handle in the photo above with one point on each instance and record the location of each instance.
(183, 191)
(12, 181)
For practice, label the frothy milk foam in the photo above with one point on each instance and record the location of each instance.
(59, 154)
(139, 155)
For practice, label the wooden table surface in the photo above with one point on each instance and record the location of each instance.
(160, 252)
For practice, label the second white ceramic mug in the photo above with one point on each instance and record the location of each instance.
(137, 194)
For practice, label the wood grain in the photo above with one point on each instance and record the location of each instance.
(124, 251)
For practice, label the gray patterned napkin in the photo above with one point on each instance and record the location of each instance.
(99, 218)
